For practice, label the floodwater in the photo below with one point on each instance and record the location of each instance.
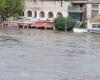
(49, 55)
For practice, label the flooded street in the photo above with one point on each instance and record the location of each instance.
(48, 55)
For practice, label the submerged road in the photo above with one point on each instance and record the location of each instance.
(49, 55)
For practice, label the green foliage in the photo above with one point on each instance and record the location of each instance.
(83, 25)
(61, 23)
(10, 8)
(70, 23)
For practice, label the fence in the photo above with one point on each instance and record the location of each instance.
(10, 24)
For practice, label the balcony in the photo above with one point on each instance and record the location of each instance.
(79, 1)
(73, 9)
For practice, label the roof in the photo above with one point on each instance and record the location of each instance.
(96, 19)
(94, 1)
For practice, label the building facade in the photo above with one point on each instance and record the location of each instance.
(48, 9)
(93, 14)
(77, 10)
(93, 8)
(45, 9)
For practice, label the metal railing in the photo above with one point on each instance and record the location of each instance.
(76, 9)
(79, 0)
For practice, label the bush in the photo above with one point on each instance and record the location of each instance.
(61, 23)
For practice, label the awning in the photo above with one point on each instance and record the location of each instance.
(38, 23)
(23, 23)
(43, 24)
(49, 24)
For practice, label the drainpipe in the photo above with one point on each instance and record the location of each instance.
(0, 18)
(86, 19)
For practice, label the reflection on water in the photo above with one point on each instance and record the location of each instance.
(49, 55)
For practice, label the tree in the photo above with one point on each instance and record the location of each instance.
(62, 23)
(10, 8)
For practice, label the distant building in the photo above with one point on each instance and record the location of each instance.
(93, 15)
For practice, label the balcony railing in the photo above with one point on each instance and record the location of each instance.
(79, 1)
(49, 8)
(76, 9)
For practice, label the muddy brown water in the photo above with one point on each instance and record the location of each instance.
(49, 55)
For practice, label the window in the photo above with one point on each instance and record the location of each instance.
(98, 26)
(81, 5)
(21, 14)
(95, 25)
(61, 4)
(94, 13)
(29, 13)
(35, 14)
(76, 16)
(42, 2)
(42, 14)
(50, 15)
(59, 14)
(95, 6)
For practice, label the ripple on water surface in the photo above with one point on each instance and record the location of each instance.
(49, 55)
